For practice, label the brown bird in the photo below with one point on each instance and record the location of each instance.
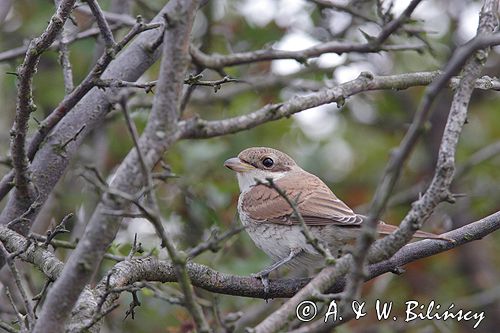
(270, 220)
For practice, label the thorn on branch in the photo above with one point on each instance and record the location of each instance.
(135, 303)
(368, 37)
(398, 270)
(136, 248)
(165, 174)
(340, 101)
(302, 60)
(195, 80)
(62, 147)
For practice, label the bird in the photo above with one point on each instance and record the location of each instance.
(270, 219)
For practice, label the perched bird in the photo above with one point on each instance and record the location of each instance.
(270, 220)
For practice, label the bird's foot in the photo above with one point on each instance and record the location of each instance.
(264, 279)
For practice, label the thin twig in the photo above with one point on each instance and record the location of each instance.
(135, 303)
(59, 229)
(21, 50)
(106, 33)
(39, 297)
(9, 258)
(123, 19)
(24, 103)
(72, 99)
(98, 317)
(439, 188)
(20, 318)
(147, 86)
(154, 215)
(24, 217)
(64, 60)
(213, 243)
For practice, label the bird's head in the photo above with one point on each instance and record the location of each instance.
(259, 164)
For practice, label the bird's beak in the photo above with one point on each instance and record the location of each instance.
(238, 165)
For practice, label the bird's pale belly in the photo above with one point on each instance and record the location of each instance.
(277, 240)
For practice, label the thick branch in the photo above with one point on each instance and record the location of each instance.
(157, 137)
(51, 267)
(153, 269)
(55, 116)
(294, 81)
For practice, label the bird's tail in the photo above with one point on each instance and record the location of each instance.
(385, 229)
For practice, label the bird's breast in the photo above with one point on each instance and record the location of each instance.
(276, 240)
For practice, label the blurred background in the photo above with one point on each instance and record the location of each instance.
(346, 145)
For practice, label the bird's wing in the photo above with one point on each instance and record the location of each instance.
(316, 203)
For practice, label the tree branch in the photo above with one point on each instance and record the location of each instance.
(21, 50)
(15, 274)
(24, 103)
(61, 111)
(156, 138)
(421, 210)
(218, 62)
(152, 269)
(51, 267)
(106, 33)
(197, 128)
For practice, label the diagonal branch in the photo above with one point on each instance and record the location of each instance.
(25, 105)
(21, 50)
(437, 192)
(17, 279)
(103, 25)
(64, 107)
(156, 138)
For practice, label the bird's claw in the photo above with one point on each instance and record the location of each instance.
(264, 278)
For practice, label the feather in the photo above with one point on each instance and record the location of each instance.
(315, 202)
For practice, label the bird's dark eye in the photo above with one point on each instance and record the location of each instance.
(267, 162)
